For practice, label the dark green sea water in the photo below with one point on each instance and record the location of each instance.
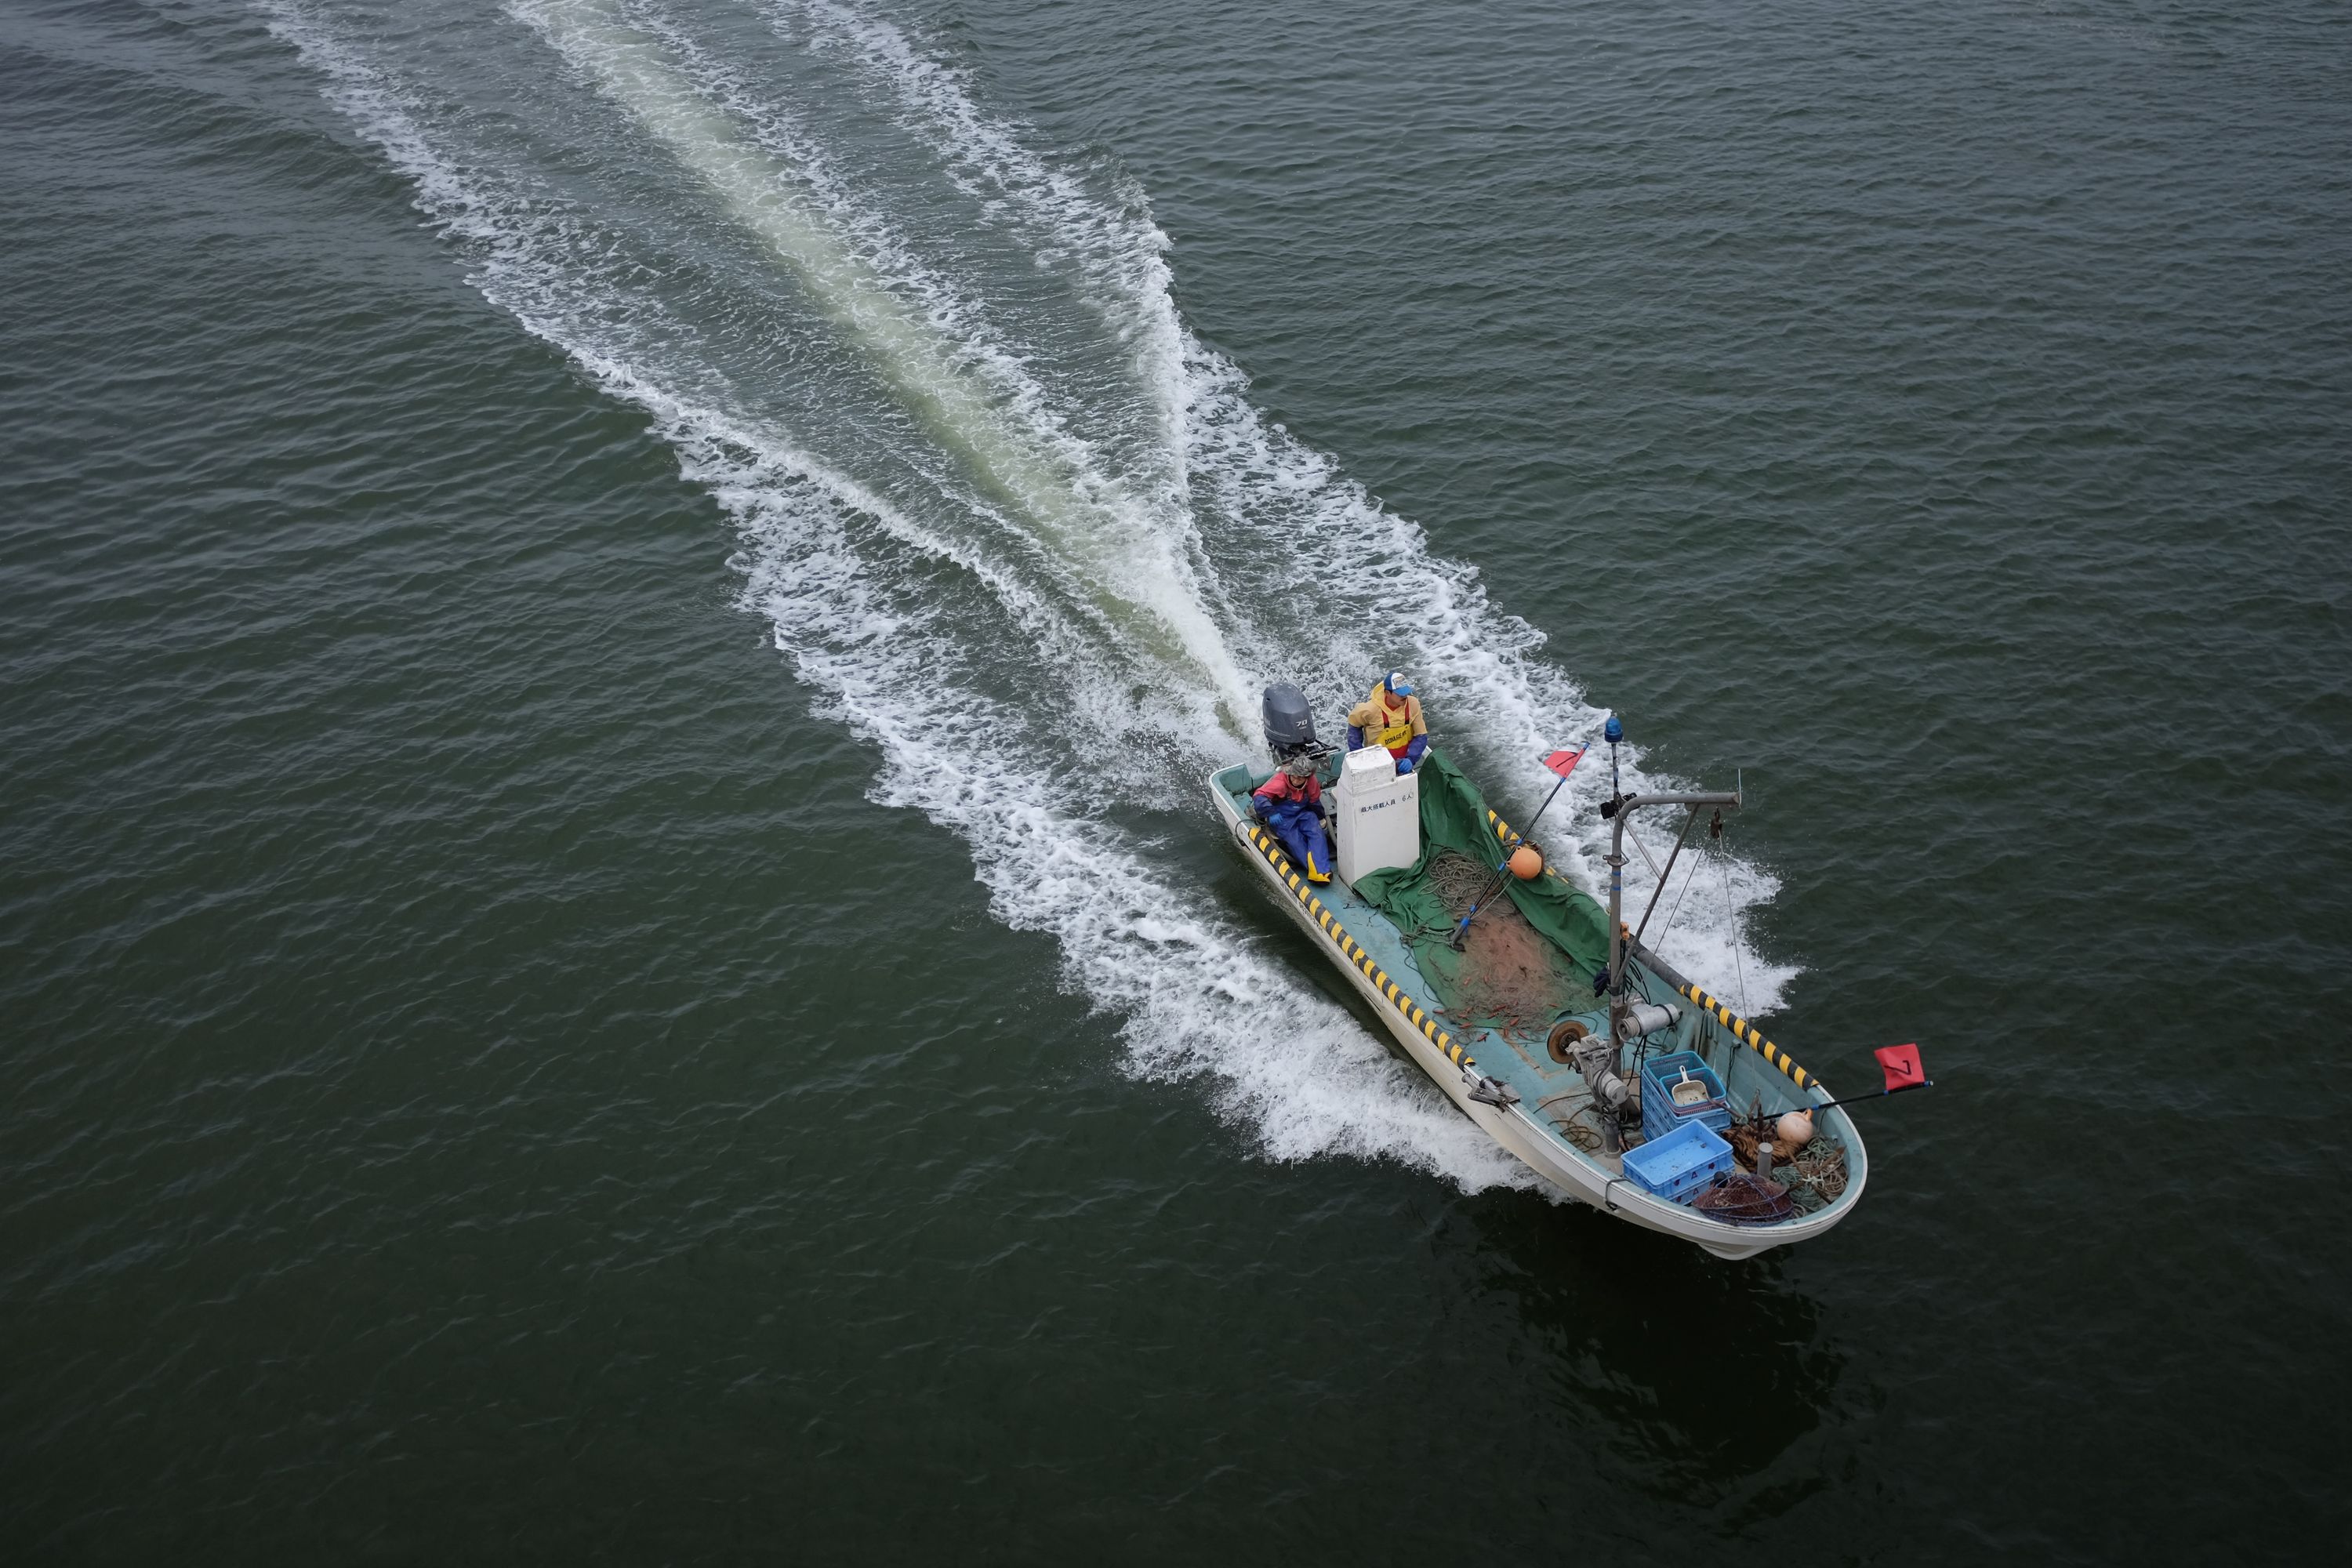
(610, 615)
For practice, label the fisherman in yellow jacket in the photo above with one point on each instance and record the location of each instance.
(1391, 717)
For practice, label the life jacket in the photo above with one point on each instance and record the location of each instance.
(1385, 726)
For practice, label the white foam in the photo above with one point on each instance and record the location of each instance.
(849, 578)
(1197, 997)
(830, 565)
(1114, 243)
(772, 185)
(1268, 497)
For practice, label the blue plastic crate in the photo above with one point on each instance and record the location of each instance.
(1660, 1114)
(1678, 1167)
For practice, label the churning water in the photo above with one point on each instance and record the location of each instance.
(1033, 542)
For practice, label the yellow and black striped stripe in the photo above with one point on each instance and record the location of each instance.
(1301, 890)
(1749, 1035)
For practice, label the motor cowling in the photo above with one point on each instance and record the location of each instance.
(1290, 721)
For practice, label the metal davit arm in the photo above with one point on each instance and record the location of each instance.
(1617, 811)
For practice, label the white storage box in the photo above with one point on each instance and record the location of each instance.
(1378, 814)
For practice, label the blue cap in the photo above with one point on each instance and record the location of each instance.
(1397, 684)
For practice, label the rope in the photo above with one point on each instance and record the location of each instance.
(1645, 849)
(1723, 865)
(1585, 1138)
(1674, 913)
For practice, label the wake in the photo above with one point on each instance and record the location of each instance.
(1072, 514)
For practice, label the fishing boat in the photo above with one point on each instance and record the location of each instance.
(1614, 1077)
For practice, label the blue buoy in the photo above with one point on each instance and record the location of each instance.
(1612, 731)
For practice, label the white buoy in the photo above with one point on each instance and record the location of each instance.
(1794, 1128)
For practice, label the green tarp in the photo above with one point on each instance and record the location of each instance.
(1574, 927)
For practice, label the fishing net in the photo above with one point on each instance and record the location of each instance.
(1507, 974)
(1815, 1173)
(1822, 1167)
(1743, 1136)
(1531, 952)
(1744, 1198)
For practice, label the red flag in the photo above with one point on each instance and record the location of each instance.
(1564, 762)
(1901, 1066)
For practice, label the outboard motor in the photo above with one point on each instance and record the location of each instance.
(1289, 723)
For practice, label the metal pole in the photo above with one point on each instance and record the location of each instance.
(1858, 1099)
(1625, 806)
(1617, 931)
(1663, 876)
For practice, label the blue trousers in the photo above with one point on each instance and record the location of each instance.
(1301, 833)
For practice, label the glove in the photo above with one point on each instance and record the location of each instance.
(1404, 764)
(1261, 808)
(1413, 752)
(1355, 737)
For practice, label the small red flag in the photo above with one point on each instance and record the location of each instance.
(1901, 1066)
(1564, 762)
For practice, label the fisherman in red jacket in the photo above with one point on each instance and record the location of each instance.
(1291, 803)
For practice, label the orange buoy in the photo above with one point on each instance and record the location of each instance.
(1527, 862)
